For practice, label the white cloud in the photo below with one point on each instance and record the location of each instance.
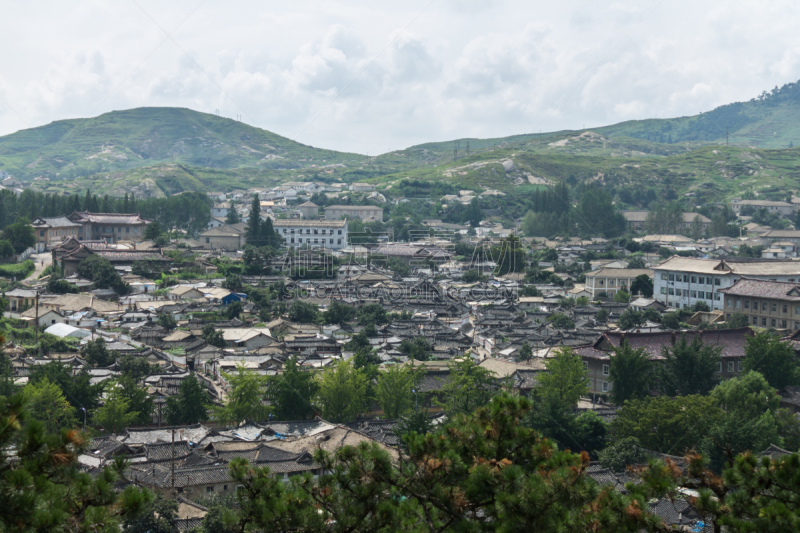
(369, 77)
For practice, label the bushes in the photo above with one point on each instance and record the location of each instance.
(17, 270)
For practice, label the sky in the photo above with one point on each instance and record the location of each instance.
(375, 76)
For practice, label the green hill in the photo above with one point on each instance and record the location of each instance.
(125, 140)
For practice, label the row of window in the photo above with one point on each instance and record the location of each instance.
(691, 294)
(611, 282)
(686, 278)
(110, 229)
(774, 322)
(764, 306)
(308, 231)
(316, 241)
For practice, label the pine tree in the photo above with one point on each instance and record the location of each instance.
(125, 206)
(253, 233)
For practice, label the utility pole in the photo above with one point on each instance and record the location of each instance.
(173, 459)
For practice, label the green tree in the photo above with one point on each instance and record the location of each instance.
(135, 367)
(301, 311)
(472, 214)
(78, 388)
(417, 348)
(48, 405)
(232, 217)
(338, 313)
(774, 359)
(96, 354)
(43, 486)
(642, 285)
(636, 262)
(525, 352)
(394, 390)
(372, 315)
(342, 393)
(153, 231)
(100, 271)
(166, 321)
(253, 231)
(623, 453)
(292, 392)
(467, 387)
(190, 405)
(602, 315)
(213, 336)
(20, 235)
(509, 256)
(737, 320)
(630, 318)
(115, 414)
(597, 215)
(561, 321)
(622, 296)
(157, 516)
(667, 425)
(689, 368)
(233, 310)
(140, 401)
(565, 380)
(246, 398)
(631, 373)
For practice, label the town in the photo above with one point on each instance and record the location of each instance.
(291, 323)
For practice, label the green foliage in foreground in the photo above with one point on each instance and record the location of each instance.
(17, 270)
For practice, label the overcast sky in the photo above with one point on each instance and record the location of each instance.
(375, 76)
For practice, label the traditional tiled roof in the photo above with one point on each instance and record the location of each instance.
(305, 223)
(619, 273)
(756, 288)
(107, 218)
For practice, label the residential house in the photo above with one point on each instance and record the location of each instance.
(636, 220)
(224, 237)
(309, 210)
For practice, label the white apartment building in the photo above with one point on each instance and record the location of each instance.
(684, 281)
(312, 233)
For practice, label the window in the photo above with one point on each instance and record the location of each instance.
(308, 231)
(717, 296)
(694, 279)
(605, 370)
(127, 229)
(41, 233)
(755, 320)
(772, 323)
(586, 365)
(601, 282)
(605, 386)
(208, 240)
(338, 241)
(738, 303)
(224, 487)
(686, 278)
(739, 366)
(340, 232)
(763, 306)
(730, 366)
(664, 276)
(671, 277)
(701, 280)
(331, 241)
(716, 281)
(797, 309)
(783, 324)
(663, 290)
(763, 321)
(719, 367)
(747, 304)
(671, 291)
(785, 308)
(774, 307)
(693, 294)
(209, 489)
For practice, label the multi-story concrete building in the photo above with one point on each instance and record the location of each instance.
(312, 233)
(636, 220)
(50, 231)
(364, 212)
(774, 304)
(110, 227)
(684, 281)
(611, 280)
(782, 208)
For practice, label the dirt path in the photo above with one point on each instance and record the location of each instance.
(38, 259)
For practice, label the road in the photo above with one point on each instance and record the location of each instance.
(38, 259)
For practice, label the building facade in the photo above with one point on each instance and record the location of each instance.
(312, 233)
(611, 280)
(364, 212)
(683, 281)
(768, 304)
(782, 208)
(50, 231)
(110, 227)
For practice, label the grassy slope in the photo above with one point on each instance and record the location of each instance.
(124, 140)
